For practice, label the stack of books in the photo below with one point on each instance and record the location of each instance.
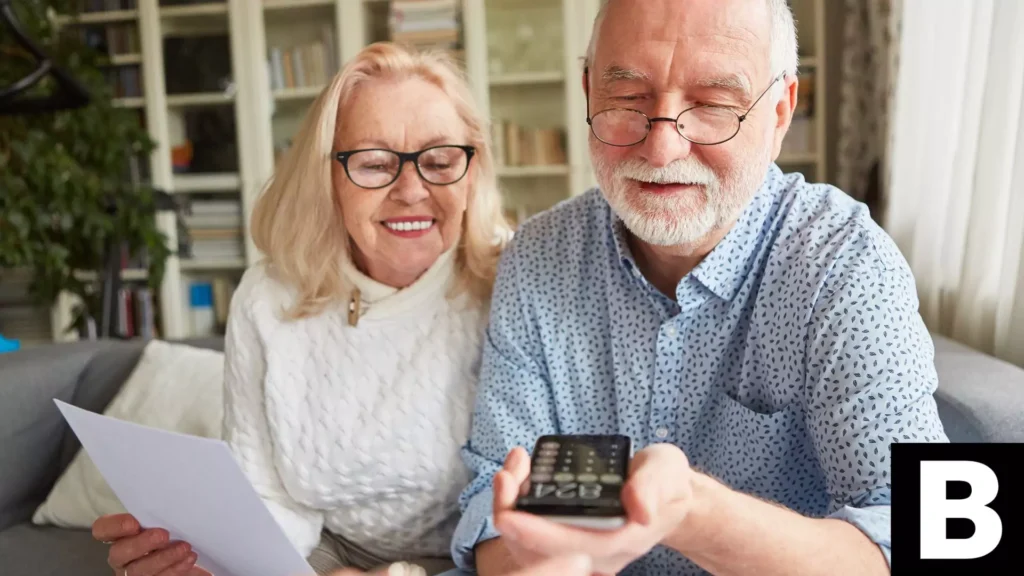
(427, 24)
(310, 64)
(214, 230)
(518, 145)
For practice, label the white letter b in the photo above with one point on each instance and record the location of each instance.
(935, 509)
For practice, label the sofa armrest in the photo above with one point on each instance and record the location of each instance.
(980, 397)
(32, 430)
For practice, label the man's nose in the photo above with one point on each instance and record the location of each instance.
(664, 144)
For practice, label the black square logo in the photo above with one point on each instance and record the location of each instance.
(957, 508)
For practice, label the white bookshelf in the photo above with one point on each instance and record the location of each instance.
(805, 146)
(537, 88)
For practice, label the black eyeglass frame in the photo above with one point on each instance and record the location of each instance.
(675, 121)
(404, 157)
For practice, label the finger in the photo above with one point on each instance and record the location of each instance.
(518, 463)
(184, 567)
(127, 550)
(113, 527)
(656, 475)
(156, 563)
(506, 490)
(197, 571)
(547, 538)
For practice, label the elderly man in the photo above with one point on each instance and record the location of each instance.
(757, 335)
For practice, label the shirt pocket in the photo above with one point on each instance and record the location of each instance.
(768, 454)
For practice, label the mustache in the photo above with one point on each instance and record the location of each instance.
(682, 171)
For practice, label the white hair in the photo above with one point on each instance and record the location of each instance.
(782, 38)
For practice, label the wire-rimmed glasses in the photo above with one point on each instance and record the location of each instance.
(379, 167)
(707, 125)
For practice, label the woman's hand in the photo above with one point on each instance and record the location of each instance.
(395, 569)
(138, 552)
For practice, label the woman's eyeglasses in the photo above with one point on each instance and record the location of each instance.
(379, 167)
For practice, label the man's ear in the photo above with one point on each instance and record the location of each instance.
(784, 111)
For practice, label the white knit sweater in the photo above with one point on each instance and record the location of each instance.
(356, 429)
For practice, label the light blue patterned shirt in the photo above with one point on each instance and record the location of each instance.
(789, 360)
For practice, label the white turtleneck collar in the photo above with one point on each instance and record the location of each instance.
(382, 301)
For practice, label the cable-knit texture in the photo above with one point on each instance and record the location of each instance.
(355, 429)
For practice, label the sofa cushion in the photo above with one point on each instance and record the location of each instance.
(31, 427)
(28, 550)
(173, 387)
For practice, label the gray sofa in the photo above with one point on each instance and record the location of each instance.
(981, 399)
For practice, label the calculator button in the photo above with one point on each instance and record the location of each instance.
(543, 469)
(545, 461)
(565, 477)
(550, 445)
(587, 477)
(547, 453)
(611, 479)
(541, 477)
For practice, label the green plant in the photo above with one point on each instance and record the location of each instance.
(65, 195)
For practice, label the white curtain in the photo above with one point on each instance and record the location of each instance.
(955, 193)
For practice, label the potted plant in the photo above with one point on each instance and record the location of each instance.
(66, 197)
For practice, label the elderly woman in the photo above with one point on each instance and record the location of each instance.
(352, 349)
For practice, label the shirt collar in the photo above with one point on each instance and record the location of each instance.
(725, 268)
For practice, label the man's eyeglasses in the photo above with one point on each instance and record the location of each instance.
(379, 167)
(704, 124)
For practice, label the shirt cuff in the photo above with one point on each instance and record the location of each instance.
(874, 521)
(475, 526)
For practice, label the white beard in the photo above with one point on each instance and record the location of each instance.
(674, 219)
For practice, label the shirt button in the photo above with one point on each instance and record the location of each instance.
(661, 433)
(671, 330)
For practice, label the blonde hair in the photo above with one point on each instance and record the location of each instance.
(297, 223)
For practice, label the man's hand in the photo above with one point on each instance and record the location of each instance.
(657, 497)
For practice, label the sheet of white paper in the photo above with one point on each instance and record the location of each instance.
(193, 488)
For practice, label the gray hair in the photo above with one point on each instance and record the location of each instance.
(782, 37)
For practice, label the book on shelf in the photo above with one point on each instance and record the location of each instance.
(125, 81)
(427, 24)
(519, 145)
(214, 230)
(209, 302)
(308, 64)
(111, 39)
(136, 316)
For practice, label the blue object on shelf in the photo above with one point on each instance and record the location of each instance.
(201, 295)
(8, 345)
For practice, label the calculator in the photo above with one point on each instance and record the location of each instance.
(577, 480)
